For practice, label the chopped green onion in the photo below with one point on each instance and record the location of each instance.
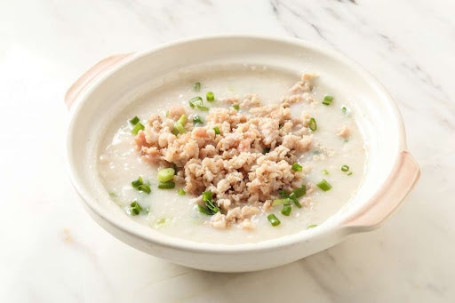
(300, 192)
(144, 188)
(327, 100)
(112, 195)
(312, 124)
(207, 196)
(210, 96)
(134, 121)
(296, 167)
(217, 130)
(203, 108)
(266, 150)
(344, 109)
(311, 226)
(204, 210)
(179, 126)
(317, 152)
(166, 174)
(324, 185)
(345, 168)
(137, 128)
(182, 120)
(286, 210)
(137, 182)
(175, 131)
(273, 220)
(211, 207)
(349, 173)
(236, 106)
(181, 192)
(197, 120)
(166, 185)
(293, 197)
(166, 114)
(139, 185)
(197, 86)
(195, 102)
(325, 172)
(285, 201)
(135, 208)
(283, 193)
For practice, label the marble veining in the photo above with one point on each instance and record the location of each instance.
(52, 251)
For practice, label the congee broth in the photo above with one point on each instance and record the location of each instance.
(234, 156)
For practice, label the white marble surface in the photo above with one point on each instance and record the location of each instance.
(52, 251)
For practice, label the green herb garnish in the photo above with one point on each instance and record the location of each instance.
(166, 174)
(324, 185)
(236, 106)
(134, 121)
(179, 126)
(217, 130)
(273, 220)
(141, 186)
(196, 102)
(137, 127)
(296, 167)
(311, 226)
(211, 207)
(197, 120)
(327, 100)
(197, 86)
(166, 185)
(349, 173)
(345, 168)
(210, 96)
(312, 124)
(293, 197)
(300, 192)
(135, 208)
(286, 210)
(284, 201)
(181, 192)
(325, 172)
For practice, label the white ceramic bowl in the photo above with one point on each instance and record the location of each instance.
(110, 85)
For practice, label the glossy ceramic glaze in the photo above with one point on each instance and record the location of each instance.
(108, 87)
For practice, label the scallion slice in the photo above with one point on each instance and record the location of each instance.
(135, 208)
(327, 100)
(344, 168)
(312, 124)
(195, 102)
(197, 86)
(137, 127)
(324, 185)
(166, 174)
(284, 201)
(197, 120)
(181, 192)
(134, 121)
(141, 186)
(217, 130)
(210, 96)
(293, 197)
(300, 192)
(296, 167)
(311, 226)
(286, 210)
(236, 106)
(166, 185)
(273, 220)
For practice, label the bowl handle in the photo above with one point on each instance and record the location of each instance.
(392, 194)
(90, 75)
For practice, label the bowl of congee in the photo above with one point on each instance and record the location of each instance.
(236, 153)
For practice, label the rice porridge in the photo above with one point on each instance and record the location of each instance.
(234, 156)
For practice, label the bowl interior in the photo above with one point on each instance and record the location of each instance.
(106, 98)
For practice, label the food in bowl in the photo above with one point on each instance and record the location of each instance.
(234, 156)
